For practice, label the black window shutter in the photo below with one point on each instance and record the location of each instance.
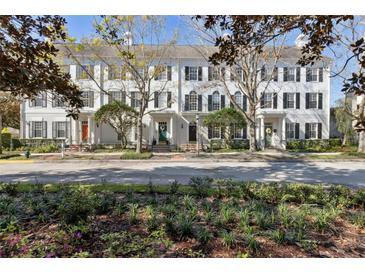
(54, 98)
(262, 102)
(298, 74)
(223, 73)
(319, 129)
(200, 103)
(187, 74)
(209, 132)
(200, 74)
(91, 98)
(68, 124)
(276, 74)
(297, 100)
(156, 99)
(124, 99)
(320, 75)
(210, 102)
(296, 130)
(54, 130)
(44, 129)
(186, 106)
(320, 100)
(222, 132)
(31, 103)
(133, 101)
(169, 73)
(31, 126)
(307, 125)
(223, 101)
(44, 100)
(244, 103)
(169, 99)
(307, 100)
(244, 133)
(275, 97)
(308, 74)
(285, 74)
(210, 73)
(285, 99)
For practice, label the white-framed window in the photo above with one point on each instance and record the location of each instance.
(57, 102)
(216, 100)
(84, 72)
(290, 130)
(163, 73)
(291, 74)
(135, 99)
(39, 101)
(237, 132)
(193, 101)
(267, 100)
(313, 131)
(117, 72)
(116, 95)
(162, 99)
(59, 130)
(313, 100)
(87, 98)
(238, 98)
(214, 73)
(193, 73)
(314, 74)
(291, 100)
(236, 74)
(37, 129)
(216, 132)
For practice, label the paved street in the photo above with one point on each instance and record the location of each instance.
(349, 173)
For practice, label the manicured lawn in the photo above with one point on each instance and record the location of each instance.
(205, 219)
(131, 155)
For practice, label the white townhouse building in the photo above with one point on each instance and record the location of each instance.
(295, 106)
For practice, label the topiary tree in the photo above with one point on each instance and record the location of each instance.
(225, 119)
(119, 116)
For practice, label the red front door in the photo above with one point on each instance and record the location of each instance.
(85, 131)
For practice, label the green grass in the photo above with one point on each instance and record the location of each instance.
(131, 155)
(343, 155)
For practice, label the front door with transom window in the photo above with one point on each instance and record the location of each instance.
(192, 132)
(162, 131)
(268, 135)
(85, 131)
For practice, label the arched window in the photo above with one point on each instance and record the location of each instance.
(193, 101)
(216, 100)
(238, 98)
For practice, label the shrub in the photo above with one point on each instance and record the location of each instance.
(174, 187)
(8, 156)
(358, 219)
(9, 188)
(227, 215)
(184, 226)
(48, 148)
(278, 236)
(104, 202)
(132, 213)
(201, 185)
(75, 205)
(6, 139)
(131, 155)
(203, 235)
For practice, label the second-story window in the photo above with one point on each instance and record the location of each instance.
(117, 72)
(57, 102)
(193, 101)
(216, 101)
(193, 73)
(214, 73)
(314, 74)
(163, 73)
(135, 99)
(39, 101)
(267, 100)
(87, 98)
(238, 99)
(85, 72)
(117, 95)
(289, 74)
(236, 74)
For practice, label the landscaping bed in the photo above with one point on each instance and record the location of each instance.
(205, 219)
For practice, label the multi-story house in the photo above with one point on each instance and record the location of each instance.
(295, 106)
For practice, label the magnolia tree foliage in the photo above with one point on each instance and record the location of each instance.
(119, 116)
(226, 118)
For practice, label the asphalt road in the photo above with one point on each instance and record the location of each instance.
(344, 172)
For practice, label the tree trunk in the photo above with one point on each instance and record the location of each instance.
(361, 147)
(123, 141)
(344, 140)
(1, 129)
(252, 136)
(139, 134)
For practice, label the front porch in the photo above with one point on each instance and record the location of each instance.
(270, 130)
(82, 131)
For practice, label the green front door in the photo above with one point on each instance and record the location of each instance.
(162, 131)
(268, 135)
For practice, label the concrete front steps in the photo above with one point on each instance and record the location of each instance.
(161, 148)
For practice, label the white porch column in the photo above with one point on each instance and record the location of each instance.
(89, 130)
(151, 130)
(172, 142)
(79, 132)
(262, 133)
(283, 134)
(75, 132)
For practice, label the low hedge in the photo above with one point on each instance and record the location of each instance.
(233, 144)
(131, 155)
(315, 145)
(8, 156)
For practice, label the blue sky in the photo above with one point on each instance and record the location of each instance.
(81, 26)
